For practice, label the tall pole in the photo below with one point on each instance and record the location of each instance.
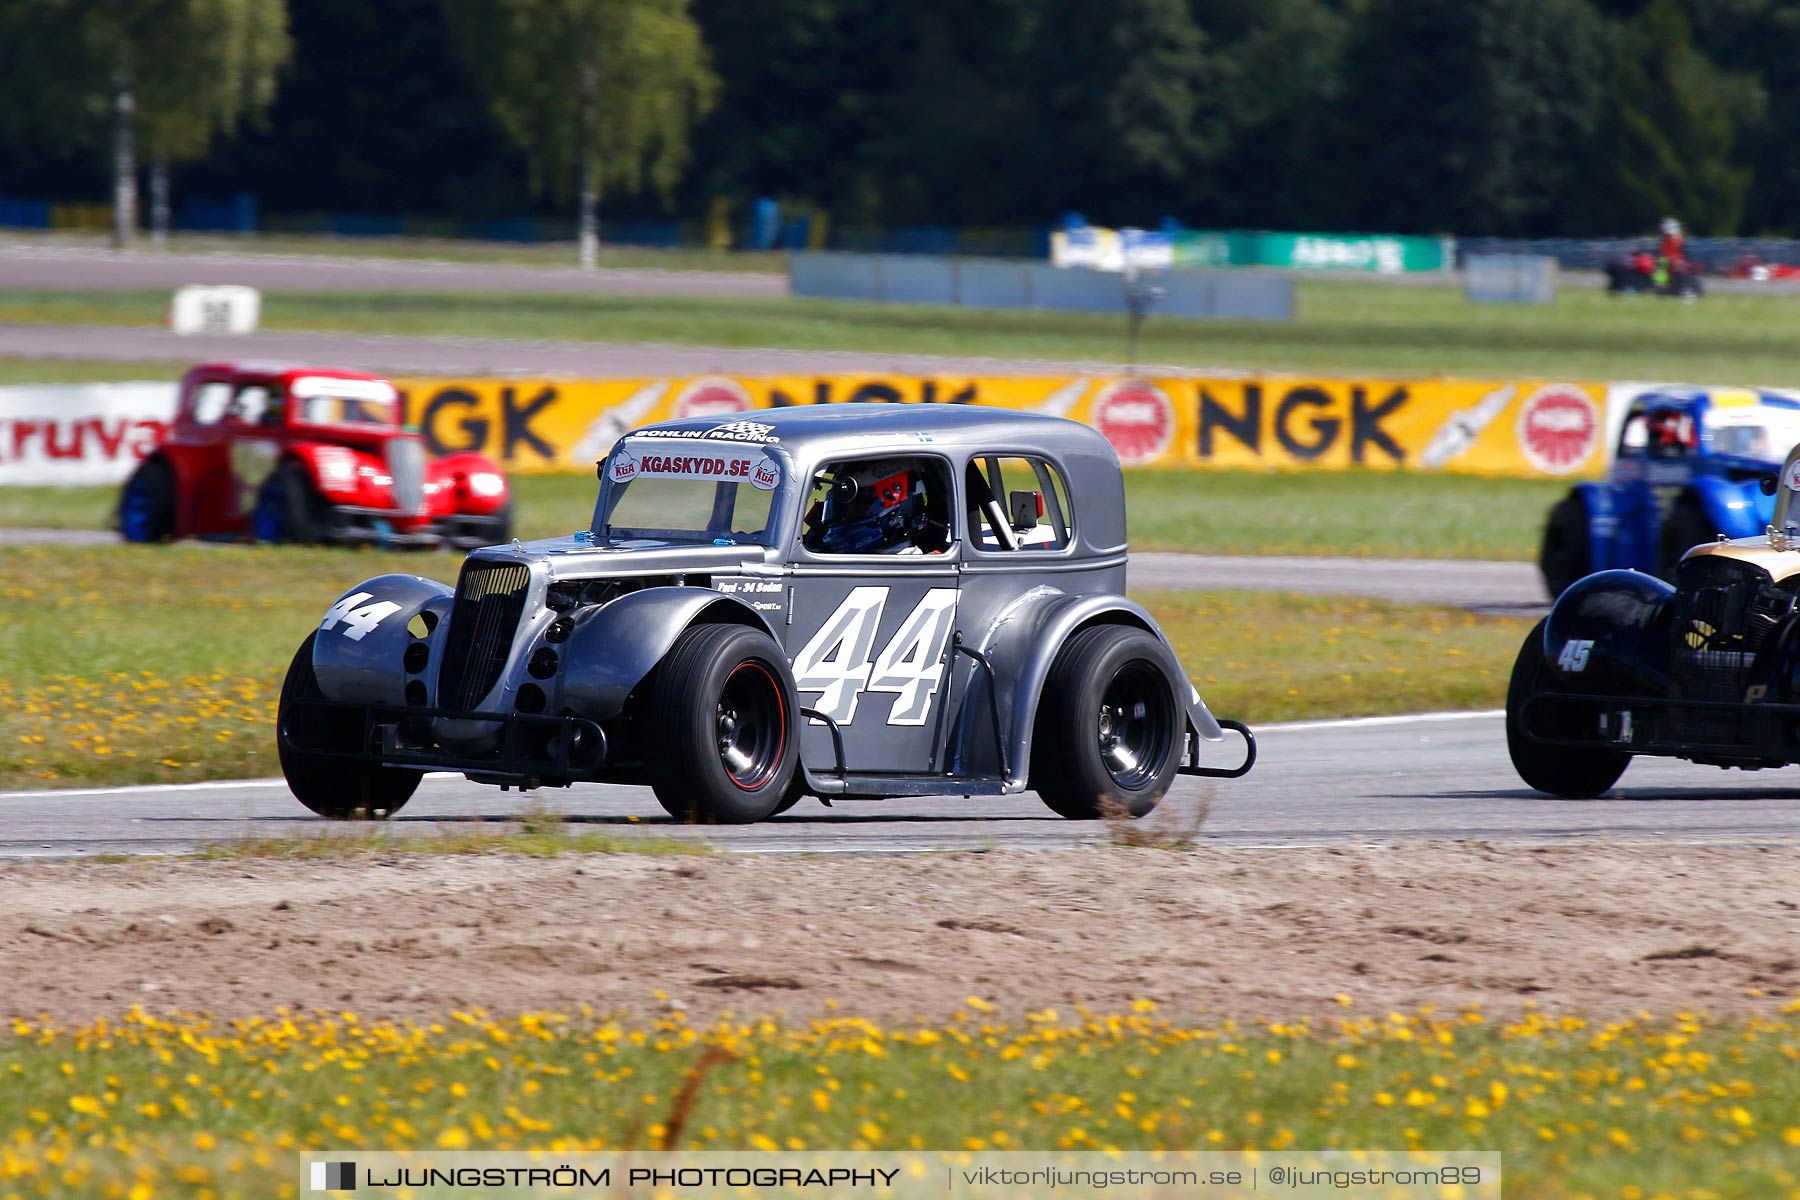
(124, 158)
(590, 170)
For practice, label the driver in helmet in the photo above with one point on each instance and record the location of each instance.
(872, 508)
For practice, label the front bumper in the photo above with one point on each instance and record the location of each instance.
(1721, 732)
(496, 747)
(392, 527)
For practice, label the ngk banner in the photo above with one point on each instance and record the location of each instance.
(1492, 427)
(91, 433)
(96, 433)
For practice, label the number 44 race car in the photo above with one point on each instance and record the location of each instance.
(1707, 669)
(859, 601)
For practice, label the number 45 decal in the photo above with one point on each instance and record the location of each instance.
(359, 623)
(1574, 656)
(835, 662)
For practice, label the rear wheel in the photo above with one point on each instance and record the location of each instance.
(1566, 554)
(723, 710)
(333, 787)
(289, 508)
(1574, 772)
(1109, 734)
(1686, 526)
(147, 505)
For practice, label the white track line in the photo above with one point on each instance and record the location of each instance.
(1358, 722)
(226, 785)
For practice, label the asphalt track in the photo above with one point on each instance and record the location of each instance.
(1493, 588)
(1383, 779)
(517, 356)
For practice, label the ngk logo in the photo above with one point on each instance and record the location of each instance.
(1137, 418)
(1559, 429)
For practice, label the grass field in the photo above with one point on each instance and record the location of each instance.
(136, 664)
(1381, 514)
(1342, 328)
(84, 370)
(147, 1106)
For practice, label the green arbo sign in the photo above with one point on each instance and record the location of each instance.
(1387, 253)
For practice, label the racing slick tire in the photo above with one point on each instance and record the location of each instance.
(1572, 772)
(289, 508)
(335, 787)
(147, 505)
(1566, 553)
(1686, 526)
(1109, 734)
(724, 716)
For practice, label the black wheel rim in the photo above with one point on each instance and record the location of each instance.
(752, 726)
(1135, 725)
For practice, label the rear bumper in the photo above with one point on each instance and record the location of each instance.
(497, 747)
(1191, 760)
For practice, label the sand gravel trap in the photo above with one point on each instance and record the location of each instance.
(1605, 929)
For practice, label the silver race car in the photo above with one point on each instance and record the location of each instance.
(863, 600)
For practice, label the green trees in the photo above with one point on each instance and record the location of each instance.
(1470, 114)
(605, 90)
(173, 73)
(1674, 136)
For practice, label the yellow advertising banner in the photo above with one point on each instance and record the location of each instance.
(1494, 427)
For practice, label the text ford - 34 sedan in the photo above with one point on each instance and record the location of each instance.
(838, 601)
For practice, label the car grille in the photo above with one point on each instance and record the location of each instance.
(406, 466)
(490, 598)
(1728, 612)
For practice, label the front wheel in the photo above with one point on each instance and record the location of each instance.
(1573, 772)
(1686, 526)
(339, 788)
(147, 505)
(289, 508)
(1567, 552)
(1109, 733)
(724, 726)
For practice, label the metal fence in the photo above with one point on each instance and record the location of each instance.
(1003, 283)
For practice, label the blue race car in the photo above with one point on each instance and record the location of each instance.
(1692, 464)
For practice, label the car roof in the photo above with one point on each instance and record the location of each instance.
(821, 430)
(1714, 398)
(277, 369)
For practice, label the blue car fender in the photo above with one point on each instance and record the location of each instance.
(1736, 509)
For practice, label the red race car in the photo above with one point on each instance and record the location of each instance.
(305, 454)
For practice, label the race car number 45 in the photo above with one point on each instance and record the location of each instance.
(1574, 656)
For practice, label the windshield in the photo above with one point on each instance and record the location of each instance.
(1765, 433)
(327, 400)
(342, 410)
(688, 492)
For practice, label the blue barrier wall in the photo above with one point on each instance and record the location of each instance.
(1001, 283)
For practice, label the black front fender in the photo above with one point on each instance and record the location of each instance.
(611, 649)
(360, 652)
(1610, 632)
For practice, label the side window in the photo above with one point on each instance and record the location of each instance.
(1672, 433)
(210, 401)
(1016, 503)
(249, 404)
(879, 506)
(1634, 436)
